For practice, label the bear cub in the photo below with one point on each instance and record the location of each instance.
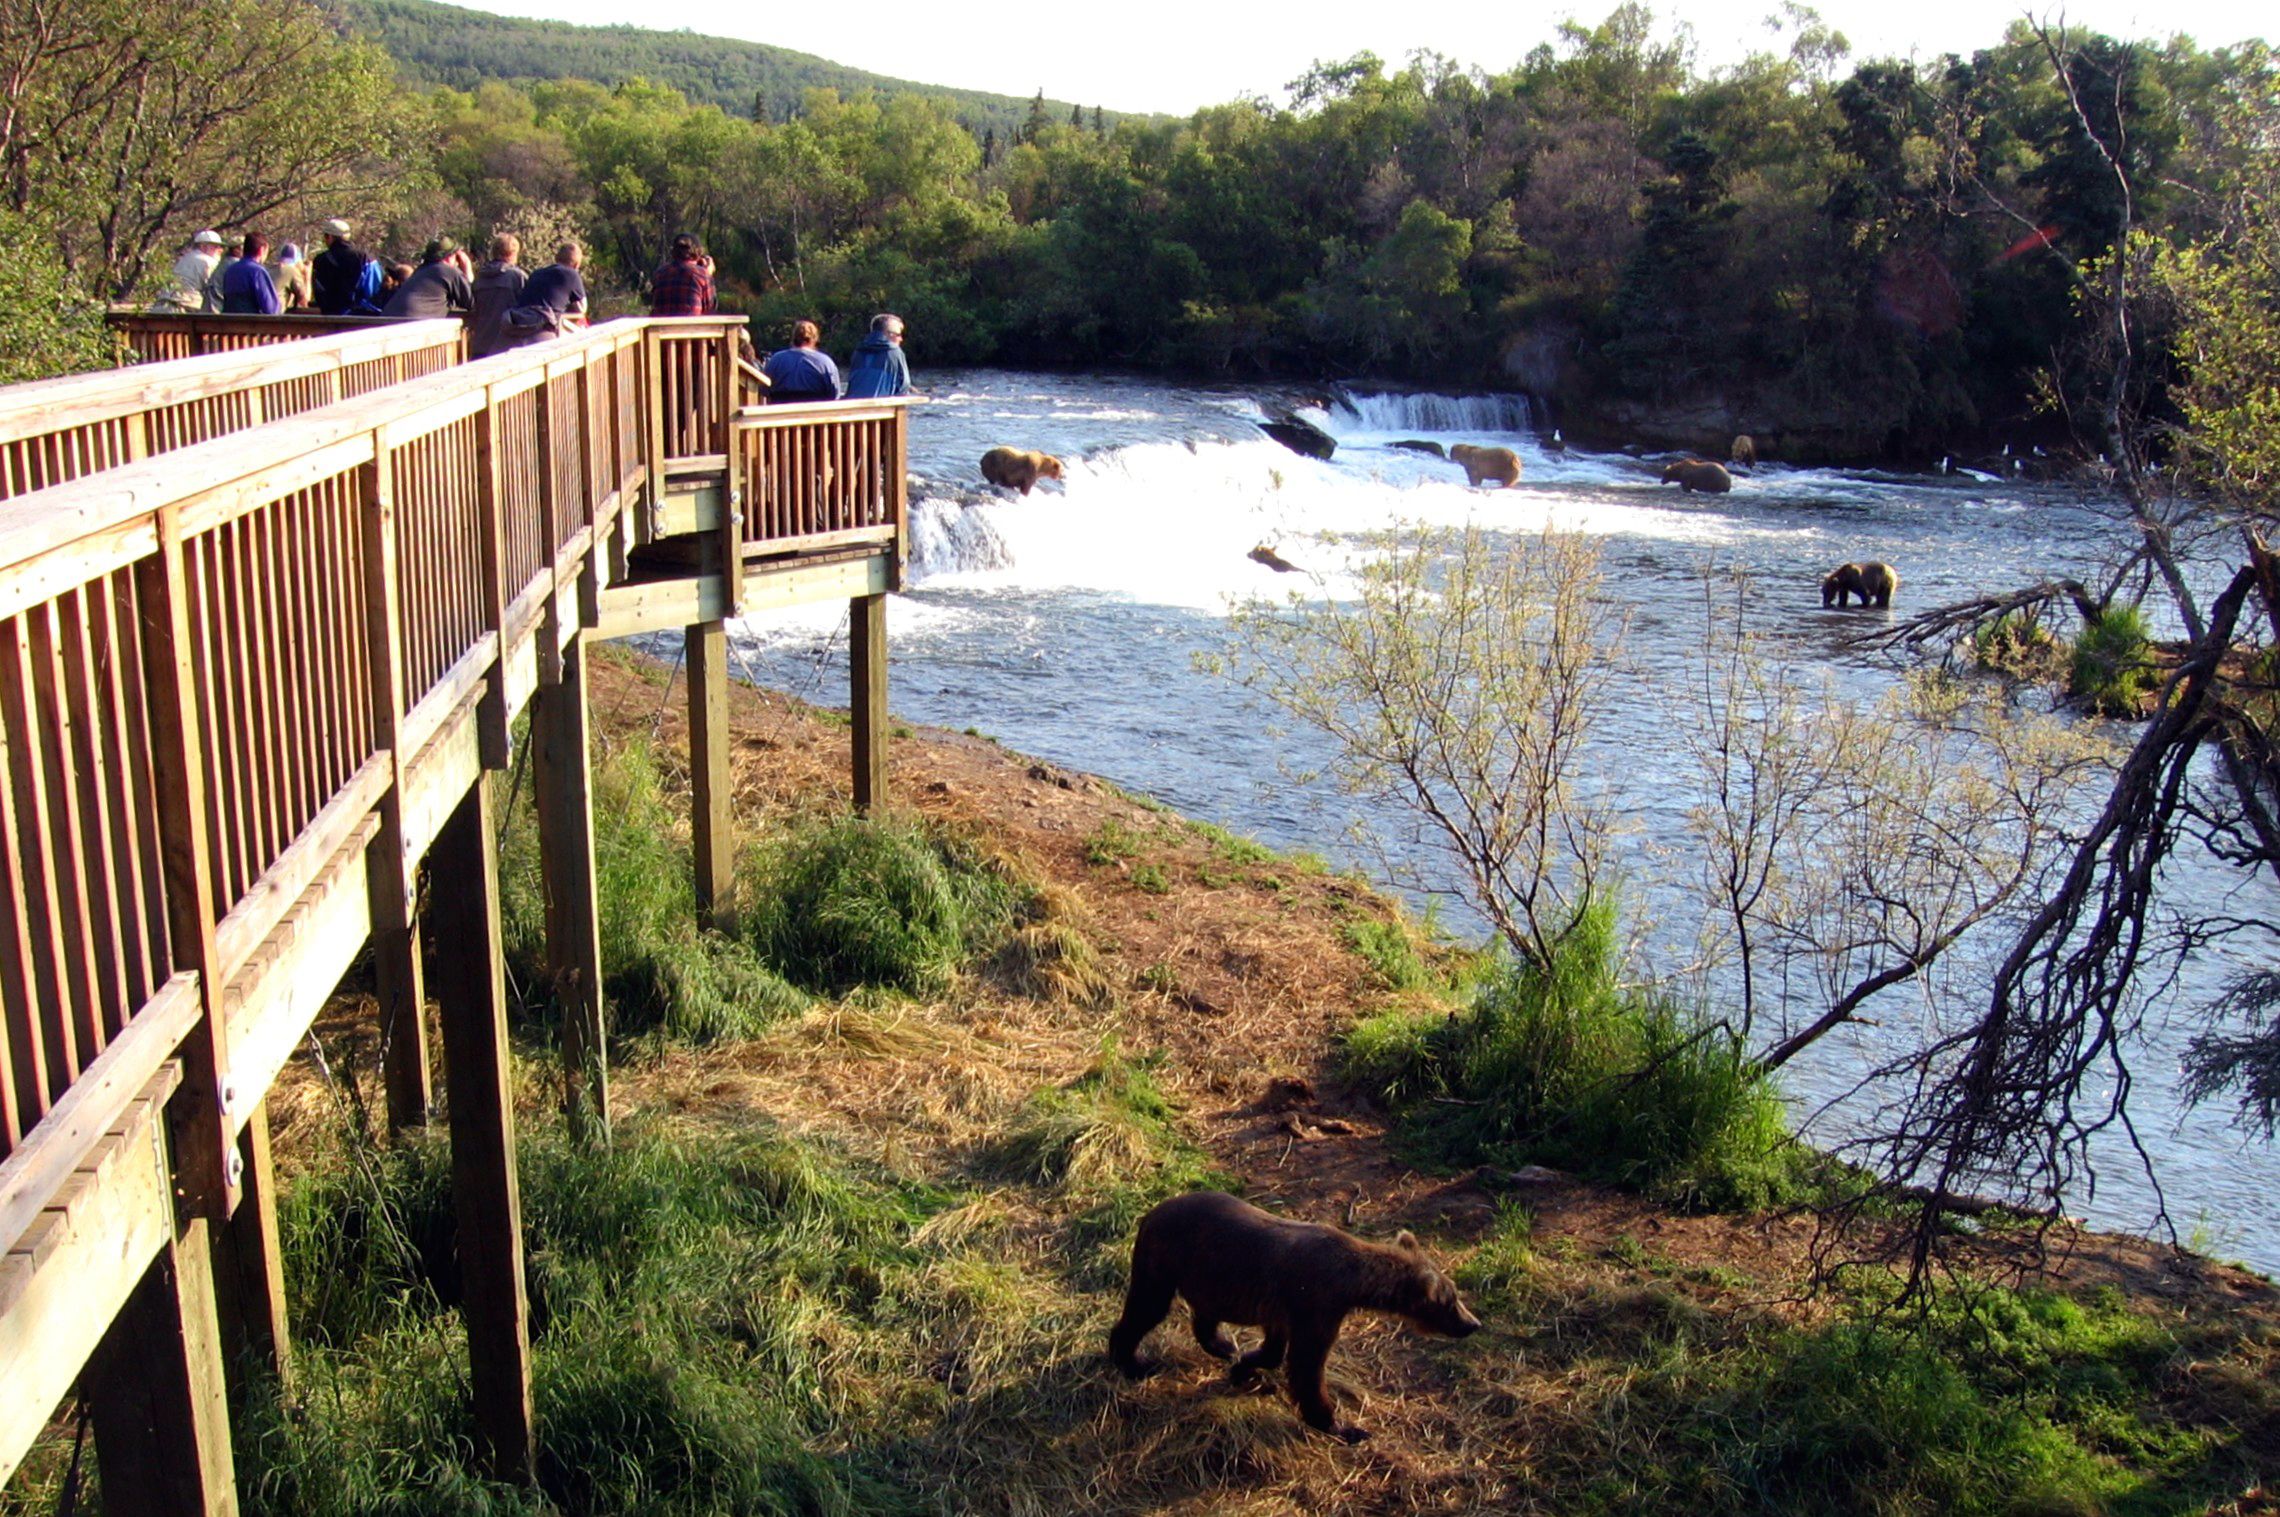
(1234, 1263)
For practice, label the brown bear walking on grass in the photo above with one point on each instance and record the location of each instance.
(1234, 1263)
(1017, 470)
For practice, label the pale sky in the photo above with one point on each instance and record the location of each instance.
(1176, 55)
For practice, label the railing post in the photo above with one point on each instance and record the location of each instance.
(205, 1158)
(491, 714)
(395, 924)
(590, 571)
(562, 787)
(471, 989)
(867, 697)
(652, 412)
(711, 827)
(898, 495)
(732, 477)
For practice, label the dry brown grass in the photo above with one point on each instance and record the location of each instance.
(1236, 975)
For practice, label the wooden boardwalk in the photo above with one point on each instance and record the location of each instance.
(266, 616)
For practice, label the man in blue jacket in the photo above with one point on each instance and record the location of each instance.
(878, 367)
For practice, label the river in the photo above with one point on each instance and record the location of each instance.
(1068, 625)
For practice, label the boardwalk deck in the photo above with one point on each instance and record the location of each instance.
(244, 688)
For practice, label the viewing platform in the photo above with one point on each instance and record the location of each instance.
(270, 605)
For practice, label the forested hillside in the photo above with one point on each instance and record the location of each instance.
(1855, 259)
(448, 44)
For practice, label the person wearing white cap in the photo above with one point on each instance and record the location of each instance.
(185, 292)
(335, 272)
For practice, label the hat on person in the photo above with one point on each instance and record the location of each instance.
(336, 228)
(209, 238)
(441, 247)
(290, 253)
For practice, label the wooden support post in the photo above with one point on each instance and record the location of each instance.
(710, 825)
(249, 1264)
(162, 1438)
(562, 780)
(395, 926)
(471, 988)
(867, 696)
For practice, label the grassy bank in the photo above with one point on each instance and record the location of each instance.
(861, 1233)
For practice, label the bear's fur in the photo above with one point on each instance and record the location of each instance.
(1744, 451)
(1234, 1263)
(1698, 474)
(1872, 582)
(1017, 470)
(1500, 465)
(1263, 554)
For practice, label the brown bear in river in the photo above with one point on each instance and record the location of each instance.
(1497, 465)
(1698, 474)
(1017, 470)
(1298, 1280)
(1872, 582)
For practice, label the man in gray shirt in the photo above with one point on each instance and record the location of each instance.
(438, 287)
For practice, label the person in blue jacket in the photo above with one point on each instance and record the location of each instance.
(247, 289)
(803, 371)
(878, 367)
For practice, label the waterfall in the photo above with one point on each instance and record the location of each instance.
(1416, 412)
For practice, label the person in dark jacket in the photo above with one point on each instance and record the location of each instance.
(803, 371)
(337, 270)
(683, 284)
(553, 301)
(438, 287)
(878, 367)
(498, 289)
(247, 289)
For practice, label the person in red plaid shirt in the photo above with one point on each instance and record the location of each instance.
(683, 284)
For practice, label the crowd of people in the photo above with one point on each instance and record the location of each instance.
(505, 306)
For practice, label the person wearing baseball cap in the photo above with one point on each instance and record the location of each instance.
(334, 274)
(185, 291)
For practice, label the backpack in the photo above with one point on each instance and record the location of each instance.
(366, 300)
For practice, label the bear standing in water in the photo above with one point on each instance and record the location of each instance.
(1014, 469)
(1872, 582)
(1237, 1264)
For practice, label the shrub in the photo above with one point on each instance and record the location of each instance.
(1391, 953)
(1559, 1064)
(864, 901)
(691, 1297)
(660, 971)
(2019, 645)
(2111, 673)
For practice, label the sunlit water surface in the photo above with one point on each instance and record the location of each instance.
(1068, 625)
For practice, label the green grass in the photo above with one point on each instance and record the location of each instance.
(1389, 948)
(2031, 1403)
(1150, 879)
(1560, 1065)
(1233, 847)
(1108, 1143)
(1111, 843)
(661, 973)
(2111, 673)
(880, 902)
(705, 1310)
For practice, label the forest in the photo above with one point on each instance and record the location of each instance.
(1854, 259)
(447, 44)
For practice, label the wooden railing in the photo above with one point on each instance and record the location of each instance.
(244, 686)
(822, 476)
(58, 430)
(160, 337)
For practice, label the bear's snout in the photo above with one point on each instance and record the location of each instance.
(1467, 1324)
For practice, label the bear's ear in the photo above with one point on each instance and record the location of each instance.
(1406, 1241)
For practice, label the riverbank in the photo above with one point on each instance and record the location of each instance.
(861, 1250)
